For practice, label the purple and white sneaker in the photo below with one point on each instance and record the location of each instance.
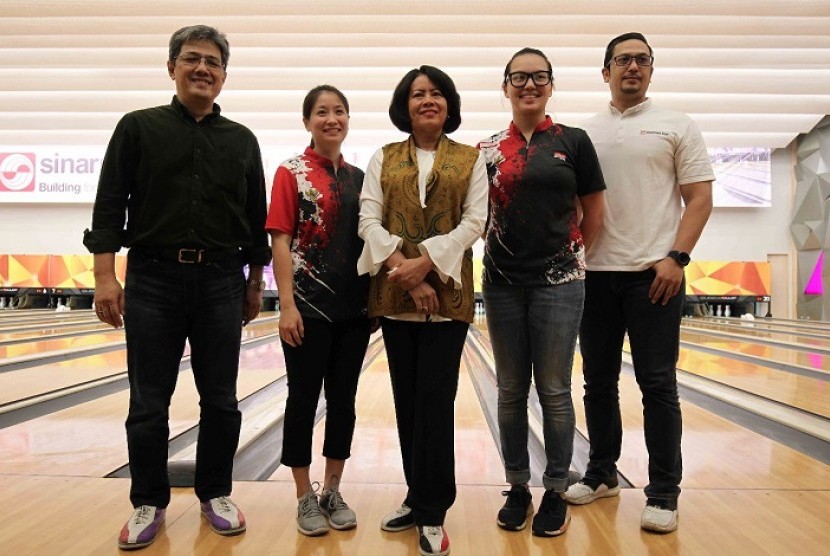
(223, 516)
(142, 528)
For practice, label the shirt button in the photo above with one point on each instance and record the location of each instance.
(196, 176)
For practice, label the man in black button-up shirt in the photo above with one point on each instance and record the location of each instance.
(183, 187)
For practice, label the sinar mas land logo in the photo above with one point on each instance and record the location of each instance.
(17, 172)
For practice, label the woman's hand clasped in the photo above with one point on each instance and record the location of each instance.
(425, 298)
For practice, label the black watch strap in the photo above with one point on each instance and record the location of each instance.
(681, 257)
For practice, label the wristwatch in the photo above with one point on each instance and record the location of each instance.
(680, 257)
(259, 285)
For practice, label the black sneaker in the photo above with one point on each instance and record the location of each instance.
(519, 505)
(552, 519)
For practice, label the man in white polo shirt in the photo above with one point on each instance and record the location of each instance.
(651, 158)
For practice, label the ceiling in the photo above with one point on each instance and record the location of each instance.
(752, 73)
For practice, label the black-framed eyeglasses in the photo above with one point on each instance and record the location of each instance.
(192, 59)
(519, 78)
(643, 60)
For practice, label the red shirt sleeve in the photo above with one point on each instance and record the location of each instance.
(282, 214)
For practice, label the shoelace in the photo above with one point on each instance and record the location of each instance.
(310, 506)
(432, 531)
(402, 511)
(143, 514)
(224, 503)
(514, 497)
(335, 501)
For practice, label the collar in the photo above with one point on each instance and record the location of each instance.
(180, 109)
(322, 160)
(636, 109)
(547, 123)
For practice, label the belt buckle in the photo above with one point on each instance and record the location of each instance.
(190, 256)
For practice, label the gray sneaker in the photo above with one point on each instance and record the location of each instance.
(310, 520)
(340, 515)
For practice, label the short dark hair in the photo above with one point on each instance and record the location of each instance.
(399, 107)
(199, 33)
(312, 96)
(609, 50)
(527, 50)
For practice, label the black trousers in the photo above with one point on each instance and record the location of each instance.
(424, 360)
(331, 354)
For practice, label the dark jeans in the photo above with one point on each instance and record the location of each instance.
(331, 353)
(168, 303)
(424, 360)
(616, 302)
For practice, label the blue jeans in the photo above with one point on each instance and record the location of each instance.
(616, 303)
(167, 303)
(533, 331)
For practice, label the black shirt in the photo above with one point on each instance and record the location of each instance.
(180, 183)
(533, 236)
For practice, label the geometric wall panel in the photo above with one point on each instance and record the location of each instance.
(728, 278)
(53, 271)
(810, 219)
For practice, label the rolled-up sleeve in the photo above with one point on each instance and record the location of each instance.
(114, 186)
(447, 250)
(378, 244)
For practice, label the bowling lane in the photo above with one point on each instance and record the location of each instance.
(33, 381)
(749, 333)
(810, 360)
(376, 456)
(717, 453)
(21, 336)
(809, 394)
(89, 440)
(46, 344)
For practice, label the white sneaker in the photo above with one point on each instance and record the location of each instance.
(658, 519)
(433, 541)
(588, 490)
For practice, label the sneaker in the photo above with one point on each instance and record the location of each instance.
(587, 490)
(310, 519)
(658, 519)
(399, 520)
(341, 516)
(518, 506)
(433, 541)
(223, 516)
(142, 527)
(552, 519)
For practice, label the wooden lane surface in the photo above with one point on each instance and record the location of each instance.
(747, 333)
(725, 522)
(376, 457)
(89, 439)
(811, 360)
(46, 344)
(717, 453)
(809, 394)
(795, 326)
(30, 335)
(33, 381)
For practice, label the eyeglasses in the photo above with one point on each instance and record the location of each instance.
(196, 59)
(519, 78)
(642, 60)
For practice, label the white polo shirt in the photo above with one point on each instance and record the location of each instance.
(646, 154)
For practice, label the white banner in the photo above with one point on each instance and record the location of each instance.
(49, 174)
